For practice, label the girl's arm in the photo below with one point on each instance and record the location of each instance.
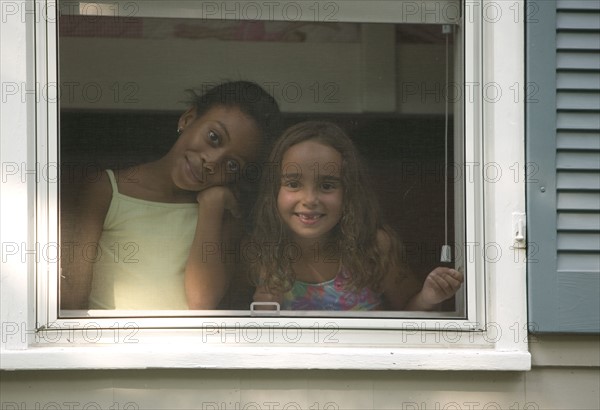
(399, 283)
(213, 253)
(402, 291)
(87, 224)
(441, 284)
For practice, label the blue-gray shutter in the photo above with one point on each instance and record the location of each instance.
(563, 170)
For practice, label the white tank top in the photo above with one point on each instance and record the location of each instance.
(142, 253)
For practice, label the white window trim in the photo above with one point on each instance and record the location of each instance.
(494, 339)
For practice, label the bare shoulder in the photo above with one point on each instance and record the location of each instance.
(130, 182)
(96, 195)
(98, 187)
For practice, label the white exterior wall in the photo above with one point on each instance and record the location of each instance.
(566, 375)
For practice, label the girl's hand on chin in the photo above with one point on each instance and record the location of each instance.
(219, 198)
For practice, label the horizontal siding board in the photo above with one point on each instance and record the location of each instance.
(578, 140)
(573, 221)
(569, 100)
(576, 60)
(589, 160)
(581, 181)
(578, 40)
(572, 20)
(584, 262)
(578, 81)
(580, 241)
(584, 201)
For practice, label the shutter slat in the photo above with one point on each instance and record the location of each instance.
(578, 160)
(577, 5)
(583, 181)
(568, 100)
(578, 81)
(577, 60)
(578, 41)
(578, 140)
(570, 20)
(568, 221)
(578, 120)
(584, 201)
(581, 241)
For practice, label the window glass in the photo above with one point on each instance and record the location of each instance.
(390, 87)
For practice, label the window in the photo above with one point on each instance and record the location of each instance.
(389, 75)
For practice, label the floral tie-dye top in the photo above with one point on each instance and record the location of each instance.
(330, 295)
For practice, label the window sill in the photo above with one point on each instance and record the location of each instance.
(136, 356)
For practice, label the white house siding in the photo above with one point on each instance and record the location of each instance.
(566, 375)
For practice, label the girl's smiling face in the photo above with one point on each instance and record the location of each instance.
(310, 198)
(213, 148)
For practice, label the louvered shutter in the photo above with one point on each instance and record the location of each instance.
(563, 170)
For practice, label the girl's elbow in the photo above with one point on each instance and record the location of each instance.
(202, 300)
(201, 304)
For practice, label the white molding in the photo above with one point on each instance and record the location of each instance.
(275, 357)
(19, 171)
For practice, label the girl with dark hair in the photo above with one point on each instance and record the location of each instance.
(156, 227)
(323, 245)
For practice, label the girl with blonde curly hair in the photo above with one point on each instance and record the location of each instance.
(323, 244)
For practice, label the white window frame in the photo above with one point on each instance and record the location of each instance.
(493, 336)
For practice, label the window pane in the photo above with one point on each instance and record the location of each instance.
(123, 82)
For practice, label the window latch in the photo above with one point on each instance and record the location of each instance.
(519, 230)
